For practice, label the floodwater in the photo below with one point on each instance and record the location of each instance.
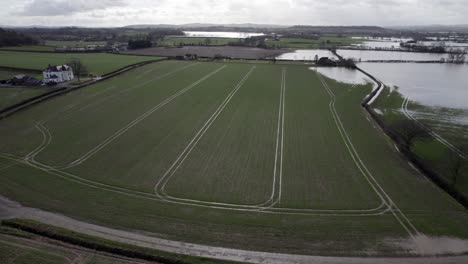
(369, 55)
(206, 34)
(379, 45)
(342, 74)
(439, 85)
(306, 55)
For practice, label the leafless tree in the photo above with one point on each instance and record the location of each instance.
(457, 164)
(79, 69)
(457, 56)
(409, 131)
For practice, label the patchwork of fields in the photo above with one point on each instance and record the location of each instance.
(96, 63)
(254, 156)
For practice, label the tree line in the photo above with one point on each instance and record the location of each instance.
(12, 38)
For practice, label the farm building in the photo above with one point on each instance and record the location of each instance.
(23, 80)
(58, 74)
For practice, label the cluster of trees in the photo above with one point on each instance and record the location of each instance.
(457, 56)
(412, 45)
(410, 132)
(257, 41)
(12, 38)
(99, 34)
(139, 44)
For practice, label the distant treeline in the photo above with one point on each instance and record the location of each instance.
(12, 38)
(99, 34)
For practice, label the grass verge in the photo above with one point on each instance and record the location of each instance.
(92, 242)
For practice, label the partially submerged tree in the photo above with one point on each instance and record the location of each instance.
(409, 131)
(79, 69)
(457, 56)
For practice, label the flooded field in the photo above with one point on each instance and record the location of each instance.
(207, 34)
(379, 45)
(443, 85)
(306, 55)
(343, 74)
(373, 55)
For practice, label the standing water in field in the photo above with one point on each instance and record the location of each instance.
(306, 55)
(207, 34)
(342, 74)
(443, 85)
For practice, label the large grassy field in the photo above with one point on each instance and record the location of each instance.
(254, 156)
(12, 95)
(96, 63)
(23, 248)
(30, 48)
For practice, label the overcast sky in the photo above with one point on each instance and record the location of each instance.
(97, 13)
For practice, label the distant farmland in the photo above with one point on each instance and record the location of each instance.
(97, 63)
(254, 156)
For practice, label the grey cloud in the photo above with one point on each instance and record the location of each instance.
(64, 7)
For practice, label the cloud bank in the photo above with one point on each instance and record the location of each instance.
(102, 13)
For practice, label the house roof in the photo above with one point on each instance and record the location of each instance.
(57, 68)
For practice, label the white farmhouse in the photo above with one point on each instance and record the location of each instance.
(58, 74)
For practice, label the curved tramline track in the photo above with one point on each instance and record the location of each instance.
(272, 205)
(443, 141)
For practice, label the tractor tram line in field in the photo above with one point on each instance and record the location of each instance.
(134, 122)
(270, 206)
(70, 110)
(392, 207)
(161, 184)
(443, 141)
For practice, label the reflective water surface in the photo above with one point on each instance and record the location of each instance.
(343, 74)
(443, 85)
(206, 34)
(306, 54)
(366, 55)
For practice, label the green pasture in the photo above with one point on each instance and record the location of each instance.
(96, 63)
(215, 140)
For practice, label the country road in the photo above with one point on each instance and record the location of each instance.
(10, 209)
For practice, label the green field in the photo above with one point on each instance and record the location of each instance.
(26, 248)
(60, 44)
(30, 48)
(300, 43)
(12, 95)
(96, 63)
(254, 156)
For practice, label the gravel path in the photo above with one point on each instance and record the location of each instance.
(10, 209)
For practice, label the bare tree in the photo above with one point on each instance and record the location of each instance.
(79, 69)
(457, 56)
(409, 131)
(457, 164)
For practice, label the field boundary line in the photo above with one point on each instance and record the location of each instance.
(5, 112)
(443, 141)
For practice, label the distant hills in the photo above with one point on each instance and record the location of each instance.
(251, 27)
(204, 25)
